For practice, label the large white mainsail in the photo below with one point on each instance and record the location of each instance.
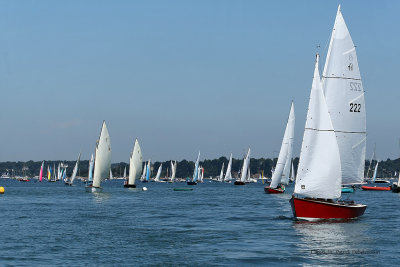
(246, 163)
(157, 179)
(228, 174)
(75, 171)
(282, 169)
(221, 174)
(319, 170)
(102, 163)
(344, 96)
(135, 163)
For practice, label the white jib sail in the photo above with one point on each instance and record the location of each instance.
(282, 168)
(221, 174)
(375, 172)
(319, 170)
(344, 96)
(228, 174)
(135, 163)
(158, 173)
(124, 173)
(102, 162)
(246, 163)
(75, 171)
(144, 171)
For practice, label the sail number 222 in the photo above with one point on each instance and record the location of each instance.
(355, 107)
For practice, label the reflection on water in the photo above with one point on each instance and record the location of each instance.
(100, 197)
(328, 240)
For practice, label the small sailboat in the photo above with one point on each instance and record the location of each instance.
(147, 177)
(90, 171)
(228, 174)
(102, 161)
(173, 171)
(244, 171)
(143, 177)
(195, 172)
(280, 177)
(135, 165)
(157, 179)
(374, 187)
(221, 174)
(41, 172)
(319, 175)
(74, 172)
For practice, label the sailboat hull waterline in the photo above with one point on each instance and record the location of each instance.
(239, 183)
(126, 185)
(270, 190)
(93, 189)
(314, 209)
(375, 188)
(191, 183)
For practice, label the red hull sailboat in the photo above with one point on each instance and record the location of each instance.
(305, 209)
(280, 177)
(333, 134)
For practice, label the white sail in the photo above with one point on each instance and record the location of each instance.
(319, 170)
(125, 172)
(228, 174)
(221, 174)
(375, 172)
(144, 171)
(282, 168)
(344, 96)
(246, 163)
(173, 170)
(75, 171)
(196, 168)
(102, 162)
(111, 175)
(90, 172)
(157, 179)
(135, 163)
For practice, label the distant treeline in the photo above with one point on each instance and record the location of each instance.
(184, 169)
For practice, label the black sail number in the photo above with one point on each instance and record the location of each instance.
(354, 107)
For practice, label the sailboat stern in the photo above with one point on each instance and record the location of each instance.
(278, 190)
(314, 209)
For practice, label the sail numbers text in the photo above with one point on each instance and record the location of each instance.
(355, 86)
(355, 107)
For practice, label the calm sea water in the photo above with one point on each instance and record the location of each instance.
(51, 224)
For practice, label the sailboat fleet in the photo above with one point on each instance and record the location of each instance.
(332, 153)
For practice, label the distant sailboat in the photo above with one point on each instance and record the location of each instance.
(195, 172)
(102, 162)
(244, 171)
(147, 178)
(90, 171)
(74, 172)
(135, 165)
(41, 172)
(173, 171)
(221, 174)
(280, 177)
(124, 177)
(228, 174)
(157, 179)
(396, 186)
(143, 177)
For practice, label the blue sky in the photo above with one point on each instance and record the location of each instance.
(182, 76)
